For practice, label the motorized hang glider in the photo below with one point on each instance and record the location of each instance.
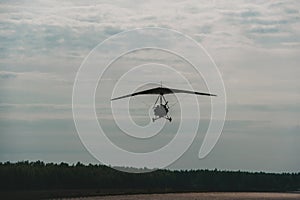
(161, 109)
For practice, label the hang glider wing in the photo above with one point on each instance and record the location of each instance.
(191, 92)
(162, 91)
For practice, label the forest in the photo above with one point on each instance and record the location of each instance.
(99, 180)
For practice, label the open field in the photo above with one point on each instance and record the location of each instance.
(202, 196)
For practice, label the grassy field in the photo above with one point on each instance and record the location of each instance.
(203, 196)
(126, 195)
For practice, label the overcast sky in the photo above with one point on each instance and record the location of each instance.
(256, 45)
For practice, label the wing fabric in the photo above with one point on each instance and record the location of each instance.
(162, 91)
(192, 92)
(150, 91)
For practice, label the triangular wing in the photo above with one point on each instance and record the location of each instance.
(162, 91)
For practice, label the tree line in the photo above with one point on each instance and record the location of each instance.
(38, 175)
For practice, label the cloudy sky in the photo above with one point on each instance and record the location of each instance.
(255, 44)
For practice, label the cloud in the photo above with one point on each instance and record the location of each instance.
(267, 108)
(35, 75)
(33, 28)
(7, 75)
